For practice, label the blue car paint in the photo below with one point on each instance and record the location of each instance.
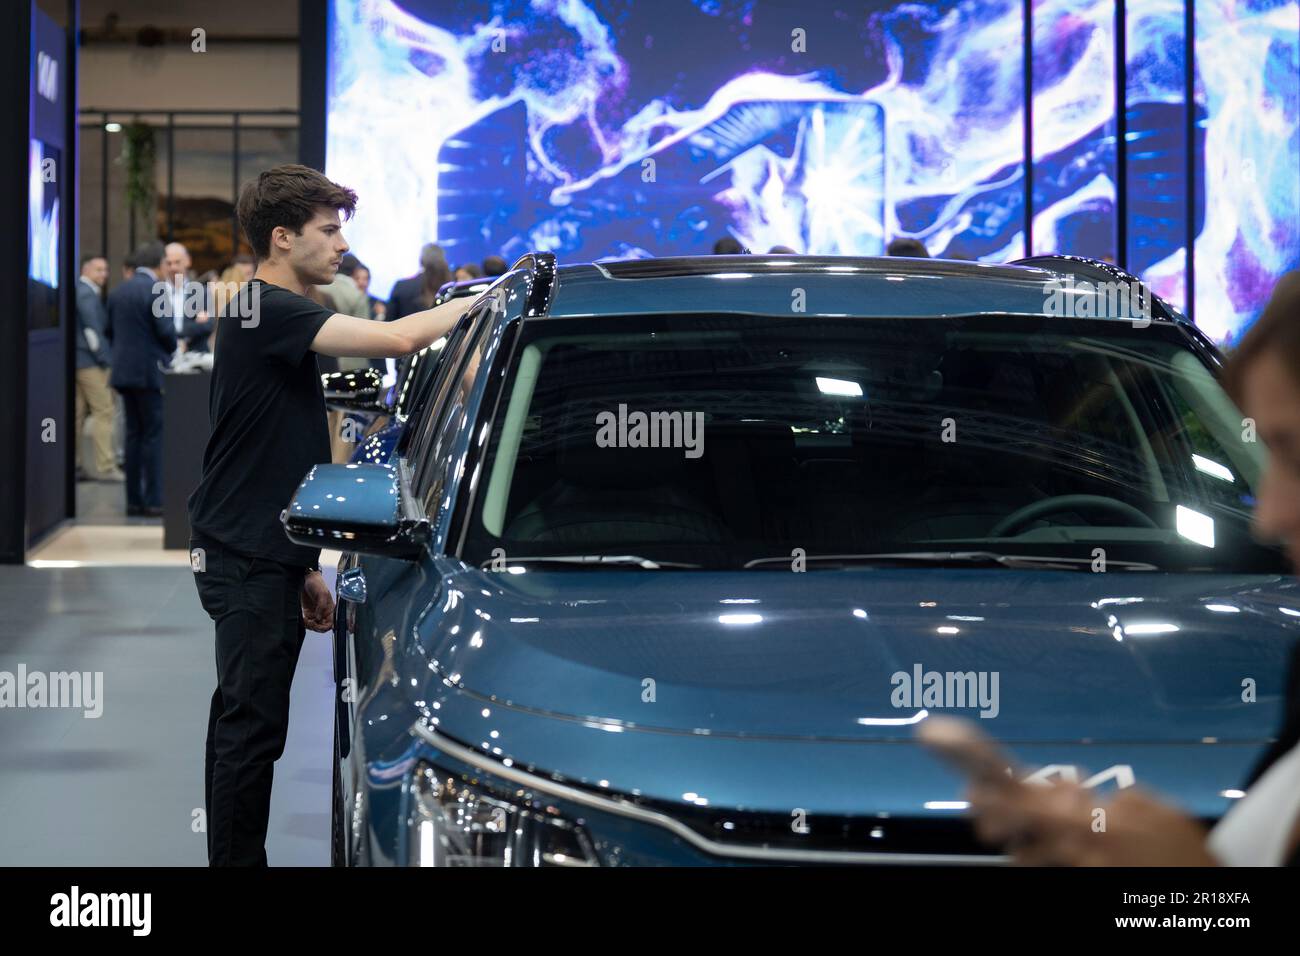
(766, 715)
(378, 447)
(368, 488)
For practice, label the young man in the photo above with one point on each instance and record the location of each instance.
(268, 430)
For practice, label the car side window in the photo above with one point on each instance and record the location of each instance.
(424, 454)
(426, 406)
(436, 468)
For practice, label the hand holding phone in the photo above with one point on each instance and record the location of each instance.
(962, 745)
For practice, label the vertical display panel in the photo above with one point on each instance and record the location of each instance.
(1156, 147)
(1248, 104)
(1074, 184)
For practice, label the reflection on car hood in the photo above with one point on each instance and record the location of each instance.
(1076, 657)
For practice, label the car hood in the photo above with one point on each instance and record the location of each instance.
(848, 654)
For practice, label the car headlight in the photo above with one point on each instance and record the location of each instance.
(452, 823)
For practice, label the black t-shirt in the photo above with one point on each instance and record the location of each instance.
(268, 419)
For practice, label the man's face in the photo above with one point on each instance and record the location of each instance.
(314, 255)
(176, 262)
(96, 270)
(1271, 396)
(362, 278)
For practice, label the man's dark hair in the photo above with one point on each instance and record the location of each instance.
(287, 196)
(908, 248)
(148, 255)
(350, 264)
(91, 256)
(727, 246)
(494, 266)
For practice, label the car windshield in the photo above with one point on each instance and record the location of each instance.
(757, 442)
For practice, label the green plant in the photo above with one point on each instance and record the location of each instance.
(139, 153)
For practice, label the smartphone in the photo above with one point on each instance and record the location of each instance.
(962, 745)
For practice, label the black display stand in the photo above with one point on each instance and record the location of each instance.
(185, 435)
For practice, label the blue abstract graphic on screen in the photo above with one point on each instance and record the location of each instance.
(613, 129)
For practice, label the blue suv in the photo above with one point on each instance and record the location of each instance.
(671, 557)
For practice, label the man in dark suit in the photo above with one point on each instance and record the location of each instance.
(409, 295)
(144, 339)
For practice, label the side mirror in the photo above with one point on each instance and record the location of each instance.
(355, 507)
(361, 390)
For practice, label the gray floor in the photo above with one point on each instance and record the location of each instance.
(104, 502)
(122, 789)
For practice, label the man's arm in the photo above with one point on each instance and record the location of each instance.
(346, 336)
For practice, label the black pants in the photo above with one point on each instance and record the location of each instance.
(256, 604)
(144, 426)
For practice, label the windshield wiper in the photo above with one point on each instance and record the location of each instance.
(593, 560)
(953, 559)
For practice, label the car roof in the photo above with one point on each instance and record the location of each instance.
(464, 287)
(822, 285)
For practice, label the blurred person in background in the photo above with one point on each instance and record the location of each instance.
(418, 292)
(345, 297)
(728, 246)
(907, 248)
(1053, 824)
(94, 358)
(378, 307)
(494, 266)
(240, 269)
(470, 270)
(192, 331)
(781, 251)
(143, 340)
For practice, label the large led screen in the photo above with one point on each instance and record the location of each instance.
(612, 129)
(622, 129)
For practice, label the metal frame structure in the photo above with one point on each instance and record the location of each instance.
(92, 117)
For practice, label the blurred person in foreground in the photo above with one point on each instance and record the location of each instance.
(94, 358)
(267, 407)
(1053, 824)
